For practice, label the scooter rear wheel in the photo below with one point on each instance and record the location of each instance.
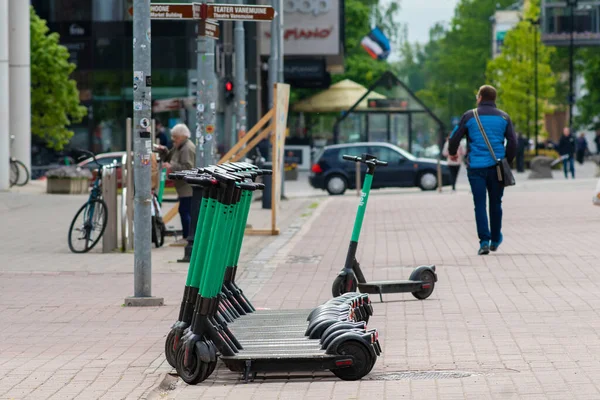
(427, 277)
(363, 362)
(339, 286)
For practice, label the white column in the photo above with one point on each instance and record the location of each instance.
(4, 124)
(20, 80)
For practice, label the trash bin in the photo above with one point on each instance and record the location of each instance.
(268, 182)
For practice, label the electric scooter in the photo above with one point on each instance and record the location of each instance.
(420, 283)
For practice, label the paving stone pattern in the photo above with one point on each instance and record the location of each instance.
(518, 324)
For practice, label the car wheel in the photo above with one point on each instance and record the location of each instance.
(336, 185)
(427, 181)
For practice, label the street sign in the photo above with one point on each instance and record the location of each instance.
(173, 11)
(208, 28)
(228, 12)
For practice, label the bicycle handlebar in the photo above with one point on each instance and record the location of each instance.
(367, 161)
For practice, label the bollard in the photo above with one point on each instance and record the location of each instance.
(109, 195)
(268, 182)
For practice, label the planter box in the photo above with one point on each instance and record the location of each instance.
(67, 186)
(291, 175)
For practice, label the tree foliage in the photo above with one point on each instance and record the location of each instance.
(448, 70)
(513, 71)
(589, 104)
(54, 96)
(358, 64)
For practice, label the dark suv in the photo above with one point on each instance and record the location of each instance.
(334, 174)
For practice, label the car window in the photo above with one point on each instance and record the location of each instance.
(386, 154)
(109, 160)
(355, 151)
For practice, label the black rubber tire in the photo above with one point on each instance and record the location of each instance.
(170, 354)
(334, 193)
(198, 371)
(98, 203)
(23, 176)
(338, 288)
(363, 361)
(14, 174)
(420, 184)
(426, 276)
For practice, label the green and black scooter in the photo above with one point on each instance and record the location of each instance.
(422, 280)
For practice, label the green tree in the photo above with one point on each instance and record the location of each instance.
(512, 72)
(454, 61)
(54, 96)
(589, 104)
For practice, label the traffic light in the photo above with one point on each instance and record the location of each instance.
(228, 86)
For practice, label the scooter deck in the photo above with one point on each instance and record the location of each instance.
(383, 287)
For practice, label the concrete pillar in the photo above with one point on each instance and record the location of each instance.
(20, 80)
(4, 113)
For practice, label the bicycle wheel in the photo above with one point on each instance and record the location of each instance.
(88, 226)
(14, 173)
(23, 177)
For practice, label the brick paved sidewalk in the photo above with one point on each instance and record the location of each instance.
(518, 324)
(63, 331)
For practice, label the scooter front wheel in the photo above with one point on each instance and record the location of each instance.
(196, 371)
(170, 352)
(340, 287)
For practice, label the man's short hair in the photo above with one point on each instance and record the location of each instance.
(487, 93)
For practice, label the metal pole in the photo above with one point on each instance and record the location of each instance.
(535, 85)
(206, 131)
(572, 4)
(273, 58)
(240, 78)
(20, 79)
(279, 17)
(142, 147)
(4, 98)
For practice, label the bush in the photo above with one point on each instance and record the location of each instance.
(69, 172)
(529, 155)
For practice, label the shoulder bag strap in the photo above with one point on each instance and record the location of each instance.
(487, 141)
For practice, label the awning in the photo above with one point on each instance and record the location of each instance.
(339, 97)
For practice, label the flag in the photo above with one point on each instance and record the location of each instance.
(376, 44)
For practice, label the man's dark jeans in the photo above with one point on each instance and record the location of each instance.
(185, 209)
(569, 163)
(485, 181)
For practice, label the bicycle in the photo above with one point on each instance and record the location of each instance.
(19, 174)
(94, 214)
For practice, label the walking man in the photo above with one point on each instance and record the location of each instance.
(566, 148)
(481, 166)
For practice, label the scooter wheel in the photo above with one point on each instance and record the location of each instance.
(196, 371)
(427, 277)
(339, 286)
(363, 362)
(170, 353)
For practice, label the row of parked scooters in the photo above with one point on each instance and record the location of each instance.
(216, 320)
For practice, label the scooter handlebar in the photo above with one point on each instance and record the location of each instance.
(367, 161)
(200, 180)
(352, 158)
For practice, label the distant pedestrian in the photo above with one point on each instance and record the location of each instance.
(522, 144)
(597, 141)
(582, 148)
(181, 157)
(481, 168)
(161, 135)
(566, 148)
(454, 165)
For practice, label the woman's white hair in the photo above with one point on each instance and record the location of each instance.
(180, 130)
